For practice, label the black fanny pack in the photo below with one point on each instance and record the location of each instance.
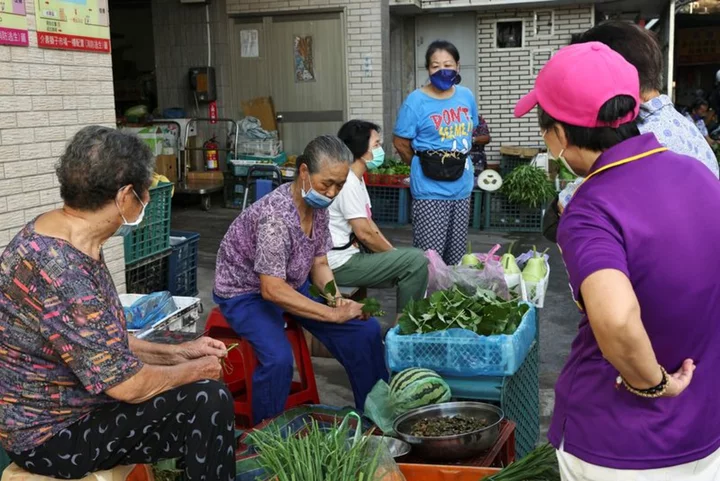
(353, 241)
(445, 165)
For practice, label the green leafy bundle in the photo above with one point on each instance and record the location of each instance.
(528, 185)
(482, 312)
(371, 306)
(393, 167)
(319, 454)
(539, 464)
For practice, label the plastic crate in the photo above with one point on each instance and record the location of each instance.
(460, 352)
(503, 216)
(260, 148)
(509, 162)
(148, 275)
(184, 319)
(390, 204)
(476, 205)
(182, 271)
(517, 395)
(152, 236)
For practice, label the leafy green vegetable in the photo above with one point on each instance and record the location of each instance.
(482, 312)
(371, 306)
(539, 464)
(393, 166)
(319, 454)
(528, 185)
(563, 172)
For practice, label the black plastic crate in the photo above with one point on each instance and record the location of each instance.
(182, 271)
(503, 216)
(148, 275)
(390, 204)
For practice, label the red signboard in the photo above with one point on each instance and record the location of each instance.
(72, 42)
(212, 111)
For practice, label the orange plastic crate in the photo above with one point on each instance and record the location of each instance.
(429, 472)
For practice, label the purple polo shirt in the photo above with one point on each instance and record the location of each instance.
(657, 220)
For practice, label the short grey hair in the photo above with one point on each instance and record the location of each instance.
(98, 162)
(325, 149)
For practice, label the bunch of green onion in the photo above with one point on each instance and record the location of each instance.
(318, 455)
(538, 465)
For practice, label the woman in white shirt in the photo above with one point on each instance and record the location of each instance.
(362, 256)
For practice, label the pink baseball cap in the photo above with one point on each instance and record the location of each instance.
(576, 82)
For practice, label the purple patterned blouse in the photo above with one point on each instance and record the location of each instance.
(267, 239)
(63, 339)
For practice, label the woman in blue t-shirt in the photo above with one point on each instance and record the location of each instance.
(433, 134)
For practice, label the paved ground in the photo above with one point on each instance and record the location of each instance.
(558, 319)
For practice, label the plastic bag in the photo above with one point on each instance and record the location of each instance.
(387, 469)
(379, 408)
(149, 309)
(534, 292)
(490, 277)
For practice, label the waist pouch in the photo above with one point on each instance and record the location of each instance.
(444, 165)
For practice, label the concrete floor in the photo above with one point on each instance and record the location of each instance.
(559, 318)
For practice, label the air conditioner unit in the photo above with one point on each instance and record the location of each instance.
(195, 2)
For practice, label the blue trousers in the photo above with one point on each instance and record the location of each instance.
(357, 344)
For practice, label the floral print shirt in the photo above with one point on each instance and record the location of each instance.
(63, 339)
(267, 238)
(477, 152)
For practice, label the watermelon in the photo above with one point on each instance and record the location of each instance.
(416, 387)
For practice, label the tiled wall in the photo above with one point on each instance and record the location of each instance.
(45, 97)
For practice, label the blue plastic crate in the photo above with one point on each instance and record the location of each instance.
(182, 272)
(390, 205)
(460, 352)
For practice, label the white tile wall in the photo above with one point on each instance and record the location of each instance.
(45, 97)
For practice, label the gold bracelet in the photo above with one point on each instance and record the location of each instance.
(653, 392)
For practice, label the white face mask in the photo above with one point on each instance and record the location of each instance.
(128, 227)
(559, 157)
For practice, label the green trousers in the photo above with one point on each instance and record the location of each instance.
(405, 268)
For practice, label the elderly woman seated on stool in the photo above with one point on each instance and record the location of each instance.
(263, 267)
(78, 394)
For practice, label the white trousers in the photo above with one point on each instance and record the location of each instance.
(573, 469)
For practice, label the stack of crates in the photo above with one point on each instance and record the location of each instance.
(147, 248)
(182, 272)
(500, 215)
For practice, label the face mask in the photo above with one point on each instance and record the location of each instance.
(377, 160)
(128, 227)
(445, 78)
(314, 199)
(560, 157)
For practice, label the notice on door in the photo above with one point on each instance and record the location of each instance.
(73, 25)
(249, 47)
(13, 23)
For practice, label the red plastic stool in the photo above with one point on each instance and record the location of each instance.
(242, 362)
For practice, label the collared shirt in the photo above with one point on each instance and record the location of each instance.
(651, 220)
(672, 130)
(267, 238)
(63, 342)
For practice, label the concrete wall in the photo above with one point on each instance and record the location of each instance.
(45, 97)
(363, 29)
(181, 42)
(505, 75)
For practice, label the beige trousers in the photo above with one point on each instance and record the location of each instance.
(573, 469)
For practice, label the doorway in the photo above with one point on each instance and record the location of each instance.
(299, 61)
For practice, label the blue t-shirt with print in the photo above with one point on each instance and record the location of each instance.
(439, 124)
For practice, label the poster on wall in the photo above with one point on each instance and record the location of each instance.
(698, 46)
(303, 54)
(13, 23)
(73, 24)
(249, 44)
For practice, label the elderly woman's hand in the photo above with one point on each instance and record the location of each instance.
(680, 380)
(205, 346)
(347, 310)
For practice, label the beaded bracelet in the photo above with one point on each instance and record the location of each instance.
(653, 392)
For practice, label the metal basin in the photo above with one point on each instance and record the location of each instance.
(396, 447)
(449, 448)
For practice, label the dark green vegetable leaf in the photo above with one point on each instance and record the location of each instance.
(315, 292)
(331, 289)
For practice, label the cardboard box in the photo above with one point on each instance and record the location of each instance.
(525, 152)
(213, 176)
(167, 165)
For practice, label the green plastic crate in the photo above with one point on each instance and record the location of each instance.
(476, 204)
(153, 235)
(508, 163)
(503, 216)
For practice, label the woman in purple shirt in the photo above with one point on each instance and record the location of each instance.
(637, 398)
(266, 262)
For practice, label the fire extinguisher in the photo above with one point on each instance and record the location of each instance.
(211, 154)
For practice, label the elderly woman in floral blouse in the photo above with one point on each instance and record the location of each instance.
(266, 262)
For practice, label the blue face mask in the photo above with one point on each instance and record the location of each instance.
(315, 199)
(127, 227)
(377, 160)
(445, 78)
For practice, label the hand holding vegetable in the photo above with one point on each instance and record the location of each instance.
(347, 310)
(369, 307)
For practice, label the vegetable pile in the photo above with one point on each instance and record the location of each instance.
(539, 464)
(447, 426)
(393, 167)
(482, 312)
(528, 185)
(319, 455)
(371, 306)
